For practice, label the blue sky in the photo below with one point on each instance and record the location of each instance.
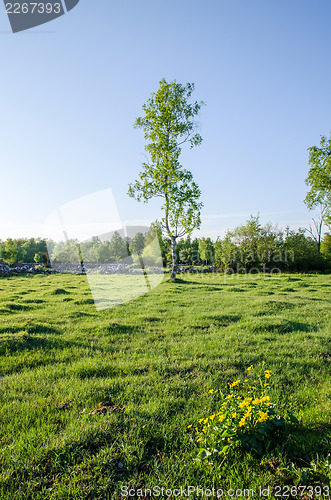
(71, 90)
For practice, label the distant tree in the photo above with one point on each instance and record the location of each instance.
(226, 253)
(319, 179)
(118, 248)
(66, 252)
(185, 251)
(206, 250)
(9, 252)
(168, 123)
(326, 245)
(301, 252)
(137, 244)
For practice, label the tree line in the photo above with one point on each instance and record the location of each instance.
(250, 246)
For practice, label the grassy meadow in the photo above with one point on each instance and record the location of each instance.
(153, 361)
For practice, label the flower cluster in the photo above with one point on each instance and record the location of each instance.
(246, 416)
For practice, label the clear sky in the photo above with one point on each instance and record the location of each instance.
(71, 90)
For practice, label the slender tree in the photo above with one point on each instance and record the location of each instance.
(168, 123)
(319, 181)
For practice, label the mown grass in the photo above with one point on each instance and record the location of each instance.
(156, 358)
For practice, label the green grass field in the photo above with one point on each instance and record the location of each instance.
(155, 359)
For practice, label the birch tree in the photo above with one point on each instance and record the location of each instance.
(168, 123)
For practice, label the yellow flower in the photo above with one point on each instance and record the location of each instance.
(212, 417)
(263, 416)
(256, 401)
(246, 380)
(242, 422)
(230, 396)
(221, 418)
(200, 439)
(243, 404)
(291, 397)
(205, 421)
(263, 362)
(234, 415)
(267, 375)
(201, 420)
(237, 382)
(265, 398)
(249, 368)
(189, 426)
(211, 391)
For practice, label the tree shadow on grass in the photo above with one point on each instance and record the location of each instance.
(18, 307)
(282, 326)
(218, 321)
(30, 329)
(26, 342)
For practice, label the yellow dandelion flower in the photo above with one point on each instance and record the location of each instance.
(263, 416)
(263, 362)
(265, 398)
(267, 375)
(249, 368)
